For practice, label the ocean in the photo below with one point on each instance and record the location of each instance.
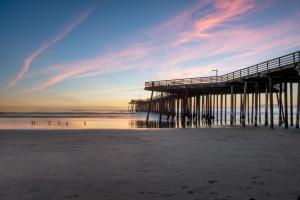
(101, 119)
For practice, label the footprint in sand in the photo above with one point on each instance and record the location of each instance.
(212, 181)
(72, 196)
(191, 191)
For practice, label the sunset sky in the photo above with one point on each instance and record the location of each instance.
(78, 54)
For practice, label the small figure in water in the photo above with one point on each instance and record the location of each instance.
(84, 123)
(49, 123)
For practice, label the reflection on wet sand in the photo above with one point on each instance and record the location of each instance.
(165, 124)
(130, 121)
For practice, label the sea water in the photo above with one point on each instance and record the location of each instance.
(106, 119)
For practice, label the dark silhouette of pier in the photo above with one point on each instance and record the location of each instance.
(213, 99)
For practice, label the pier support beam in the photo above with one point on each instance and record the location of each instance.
(298, 105)
(248, 108)
(217, 111)
(266, 106)
(252, 107)
(177, 110)
(286, 123)
(243, 115)
(210, 109)
(221, 110)
(280, 104)
(291, 104)
(225, 109)
(235, 109)
(213, 105)
(271, 102)
(241, 107)
(160, 107)
(231, 105)
(149, 107)
(256, 104)
(259, 109)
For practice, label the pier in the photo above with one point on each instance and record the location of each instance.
(249, 96)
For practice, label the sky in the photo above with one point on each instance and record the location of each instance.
(99, 53)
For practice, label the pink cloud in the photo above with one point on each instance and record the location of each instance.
(225, 11)
(244, 47)
(112, 62)
(27, 62)
(196, 39)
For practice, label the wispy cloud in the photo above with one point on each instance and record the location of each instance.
(202, 37)
(28, 60)
(223, 12)
(112, 62)
(114, 90)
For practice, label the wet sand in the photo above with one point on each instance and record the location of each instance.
(228, 163)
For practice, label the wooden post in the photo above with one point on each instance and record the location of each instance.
(286, 123)
(173, 107)
(160, 107)
(213, 105)
(184, 105)
(209, 108)
(271, 102)
(194, 108)
(259, 108)
(291, 103)
(252, 107)
(266, 106)
(280, 104)
(244, 105)
(191, 109)
(217, 113)
(225, 109)
(202, 109)
(198, 110)
(298, 105)
(167, 105)
(256, 103)
(206, 108)
(234, 108)
(149, 108)
(231, 106)
(177, 115)
(221, 111)
(241, 107)
(248, 108)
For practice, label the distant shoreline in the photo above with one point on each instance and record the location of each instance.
(59, 114)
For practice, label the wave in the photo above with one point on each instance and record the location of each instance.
(62, 114)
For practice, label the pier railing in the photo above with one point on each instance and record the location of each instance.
(238, 74)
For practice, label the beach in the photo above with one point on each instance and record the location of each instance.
(205, 163)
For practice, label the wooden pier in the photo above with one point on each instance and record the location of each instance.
(259, 94)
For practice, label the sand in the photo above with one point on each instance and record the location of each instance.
(227, 163)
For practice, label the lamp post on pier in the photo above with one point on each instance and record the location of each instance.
(215, 70)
